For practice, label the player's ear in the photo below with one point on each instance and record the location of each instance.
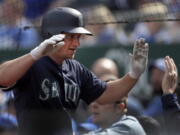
(122, 105)
(121, 108)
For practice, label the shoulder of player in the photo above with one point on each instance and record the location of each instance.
(130, 124)
(126, 120)
(73, 62)
(44, 61)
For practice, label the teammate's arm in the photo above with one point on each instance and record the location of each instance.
(11, 71)
(120, 88)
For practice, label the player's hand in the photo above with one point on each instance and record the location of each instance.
(169, 82)
(139, 58)
(47, 46)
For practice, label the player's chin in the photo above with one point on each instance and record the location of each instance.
(71, 56)
(95, 119)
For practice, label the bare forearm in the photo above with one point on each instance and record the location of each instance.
(13, 70)
(117, 89)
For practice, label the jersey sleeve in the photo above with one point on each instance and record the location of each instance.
(171, 113)
(91, 86)
(127, 126)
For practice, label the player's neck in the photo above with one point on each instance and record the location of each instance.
(56, 59)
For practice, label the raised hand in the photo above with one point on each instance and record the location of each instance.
(139, 58)
(48, 46)
(169, 82)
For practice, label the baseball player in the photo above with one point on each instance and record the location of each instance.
(48, 83)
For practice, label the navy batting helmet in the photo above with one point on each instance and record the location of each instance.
(63, 20)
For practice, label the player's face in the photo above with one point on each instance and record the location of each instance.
(102, 114)
(71, 43)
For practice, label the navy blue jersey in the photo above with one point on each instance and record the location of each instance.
(48, 90)
(171, 114)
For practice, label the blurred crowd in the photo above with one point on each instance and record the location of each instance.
(125, 21)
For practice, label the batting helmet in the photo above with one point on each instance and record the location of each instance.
(63, 20)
